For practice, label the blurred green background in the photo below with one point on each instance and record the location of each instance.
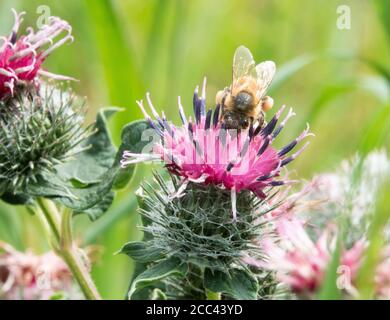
(338, 80)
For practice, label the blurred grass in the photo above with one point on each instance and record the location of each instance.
(124, 48)
(365, 280)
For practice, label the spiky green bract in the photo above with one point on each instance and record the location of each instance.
(46, 150)
(198, 227)
(38, 130)
(197, 230)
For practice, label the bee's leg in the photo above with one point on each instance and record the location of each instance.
(267, 103)
(221, 96)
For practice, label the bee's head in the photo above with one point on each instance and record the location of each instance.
(234, 120)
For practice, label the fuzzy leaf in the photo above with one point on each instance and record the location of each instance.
(141, 252)
(15, 199)
(239, 284)
(163, 269)
(158, 294)
(131, 141)
(89, 166)
(85, 183)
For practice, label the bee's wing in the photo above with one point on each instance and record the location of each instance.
(265, 73)
(243, 64)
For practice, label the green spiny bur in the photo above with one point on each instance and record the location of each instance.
(38, 130)
(198, 229)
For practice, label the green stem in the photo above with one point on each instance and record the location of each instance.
(213, 295)
(51, 215)
(61, 230)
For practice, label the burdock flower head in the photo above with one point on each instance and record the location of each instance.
(215, 174)
(28, 276)
(41, 124)
(301, 262)
(21, 57)
(202, 151)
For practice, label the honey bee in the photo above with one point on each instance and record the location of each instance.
(244, 102)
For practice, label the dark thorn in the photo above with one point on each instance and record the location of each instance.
(286, 161)
(251, 131)
(287, 148)
(265, 177)
(263, 147)
(276, 183)
(257, 130)
(267, 130)
(194, 101)
(229, 166)
(167, 127)
(13, 37)
(190, 129)
(198, 112)
(208, 119)
(277, 131)
(216, 115)
(153, 125)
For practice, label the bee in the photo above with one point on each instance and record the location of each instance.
(244, 102)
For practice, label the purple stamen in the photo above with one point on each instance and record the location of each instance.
(276, 183)
(267, 130)
(208, 119)
(216, 115)
(264, 146)
(181, 111)
(287, 148)
(230, 166)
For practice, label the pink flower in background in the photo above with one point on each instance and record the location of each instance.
(27, 276)
(201, 150)
(21, 57)
(299, 261)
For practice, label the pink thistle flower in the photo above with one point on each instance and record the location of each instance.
(27, 276)
(300, 262)
(203, 151)
(21, 58)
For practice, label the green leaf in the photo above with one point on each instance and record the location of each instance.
(141, 251)
(89, 166)
(365, 281)
(100, 207)
(16, 199)
(132, 140)
(239, 284)
(329, 290)
(377, 131)
(85, 183)
(383, 8)
(163, 269)
(158, 294)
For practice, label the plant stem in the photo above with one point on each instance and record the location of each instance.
(51, 215)
(213, 295)
(61, 230)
